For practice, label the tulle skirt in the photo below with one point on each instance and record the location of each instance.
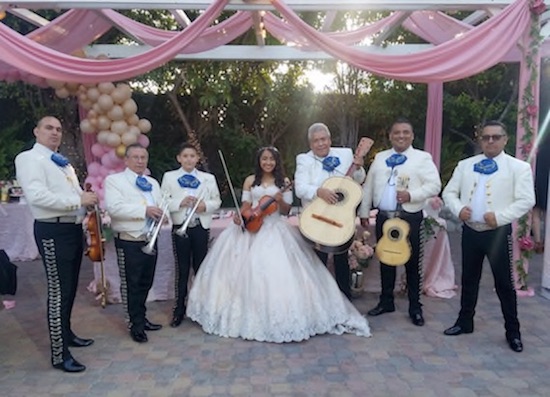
(269, 286)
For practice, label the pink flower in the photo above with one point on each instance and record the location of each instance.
(526, 243)
(526, 148)
(538, 7)
(532, 110)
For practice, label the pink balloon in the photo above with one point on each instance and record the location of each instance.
(97, 150)
(93, 169)
(104, 171)
(106, 161)
(144, 140)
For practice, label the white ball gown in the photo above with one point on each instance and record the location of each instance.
(269, 286)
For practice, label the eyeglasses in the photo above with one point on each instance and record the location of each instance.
(487, 138)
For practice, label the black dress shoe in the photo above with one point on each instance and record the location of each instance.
(80, 342)
(417, 319)
(516, 345)
(138, 336)
(70, 365)
(378, 310)
(149, 326)
(457, 330)
(176, 321)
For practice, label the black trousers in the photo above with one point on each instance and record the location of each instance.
(413, 268)
(189, 250)
(496, 246)
(137, 271)
(341, 271)
(61, 246)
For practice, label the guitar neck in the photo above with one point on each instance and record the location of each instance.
(361, 151)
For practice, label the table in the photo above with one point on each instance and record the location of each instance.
(17, 232)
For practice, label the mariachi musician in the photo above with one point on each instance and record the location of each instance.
(134, 204)
(401, 162)
(312, 169)
(194, 198)
(58, 206)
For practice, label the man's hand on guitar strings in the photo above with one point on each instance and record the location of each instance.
(328, 195)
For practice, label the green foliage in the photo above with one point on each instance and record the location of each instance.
(9, 148)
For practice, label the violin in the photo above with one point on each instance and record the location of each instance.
(95, 250)
(253, 218)
(96, 245)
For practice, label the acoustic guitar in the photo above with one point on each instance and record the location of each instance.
(328, 227)
(394, 247)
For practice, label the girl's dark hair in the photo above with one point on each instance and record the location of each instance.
(278, 171)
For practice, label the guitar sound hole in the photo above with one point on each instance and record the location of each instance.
(394, 234)
(340, 196)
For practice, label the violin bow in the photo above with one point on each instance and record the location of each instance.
(233, 195)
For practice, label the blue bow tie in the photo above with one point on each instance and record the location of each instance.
(395, 160)
(189, 181)
(330, 163)
(143, 184)
(59, 159)
(486, 167)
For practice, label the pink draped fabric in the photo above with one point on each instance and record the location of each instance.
(478, 49)
(287, 34)
(434, 121)
(25, 54)
(475, 51)
(212, 37)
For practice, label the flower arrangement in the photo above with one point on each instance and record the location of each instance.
(431, 224)
(360, 252)
(528, 110)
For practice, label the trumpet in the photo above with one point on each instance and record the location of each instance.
(182, 231)
(154, 229)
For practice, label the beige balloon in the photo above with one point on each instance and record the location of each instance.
(103, 122)
(113, 140)
(82, 97)
(105, 102)
(102, 137)
(144, 125)
(86, 127)
(106, 88)
(133, 120)
(97, 109)
(126, 89)
(119, 127)
(118, 96)
(93, 122)
(129, 106)
(116, 113)
(128, 138)
(62, 93)
(93, 94)
(134, 130)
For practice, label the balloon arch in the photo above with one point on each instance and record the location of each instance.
(494, 31)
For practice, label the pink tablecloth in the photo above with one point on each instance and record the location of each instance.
(16, 232)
